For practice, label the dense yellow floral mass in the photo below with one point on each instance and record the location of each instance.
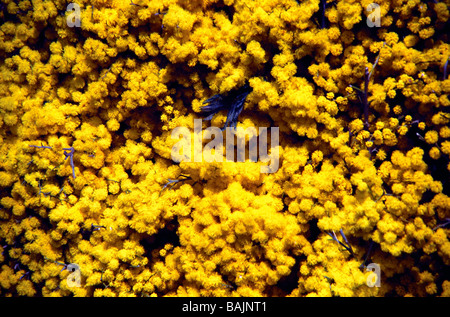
(87, 177)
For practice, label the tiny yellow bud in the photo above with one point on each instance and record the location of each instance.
(379, 125)
(403, 130)
(393, 122)
(391, 93)
(397, 109)
(317, 156)
(349, 90)
(444, 132)
(435, 153)
(431, 137)
(381, 155)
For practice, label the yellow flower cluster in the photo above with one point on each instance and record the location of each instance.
(86, 169)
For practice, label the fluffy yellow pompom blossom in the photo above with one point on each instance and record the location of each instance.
(431, 137)
(256, 51)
